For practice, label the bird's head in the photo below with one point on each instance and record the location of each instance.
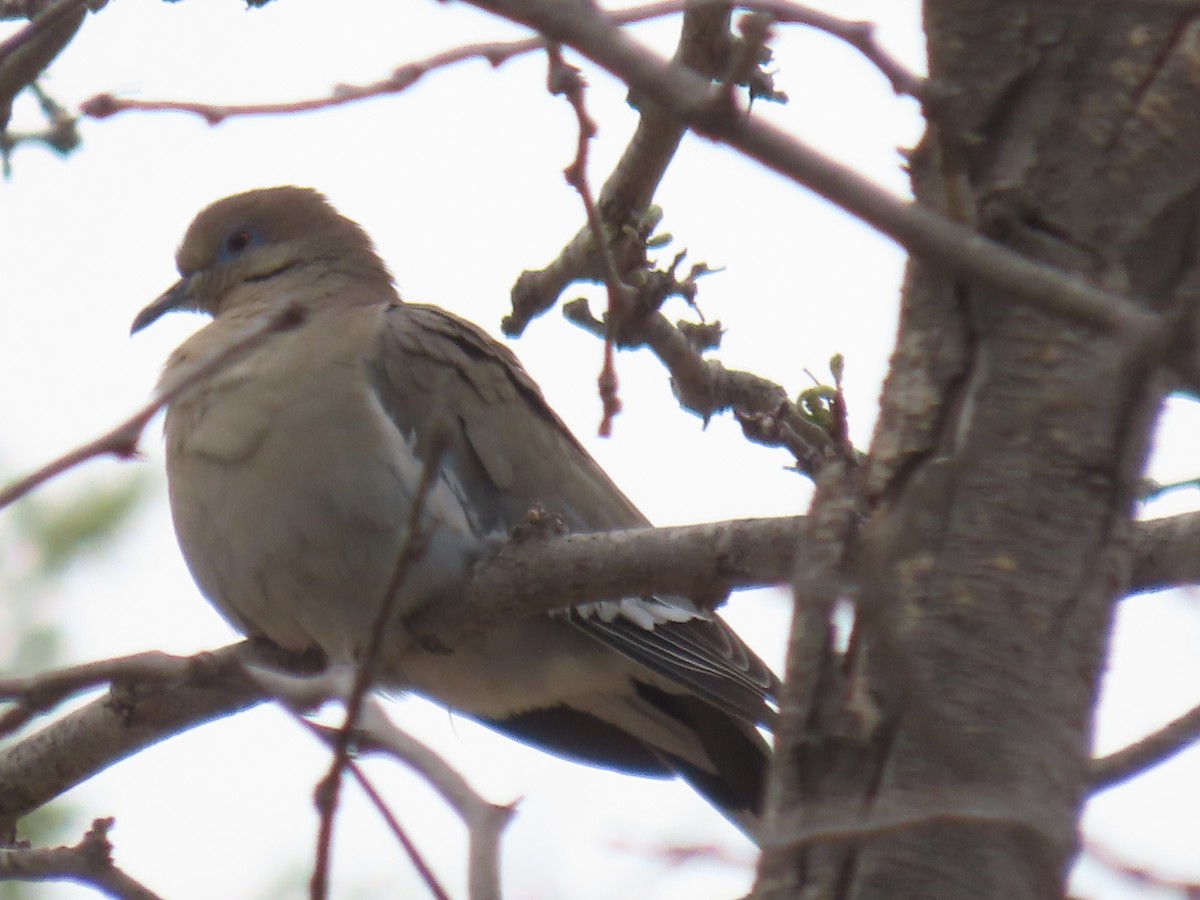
(257, 238)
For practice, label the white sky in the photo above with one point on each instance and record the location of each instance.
(459, 181)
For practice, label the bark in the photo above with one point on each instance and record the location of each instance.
(951, 759)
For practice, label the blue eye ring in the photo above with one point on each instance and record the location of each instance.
(238, 242)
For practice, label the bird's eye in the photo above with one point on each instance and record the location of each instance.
(237, 242)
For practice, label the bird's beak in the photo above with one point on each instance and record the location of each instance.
(177, 296)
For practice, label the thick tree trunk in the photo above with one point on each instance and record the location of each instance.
(949, 758)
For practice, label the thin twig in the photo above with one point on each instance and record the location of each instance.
(39, 693)
(414, 854)
(763, 409)
(411, 547)
(922, 231)
(567, 81)
(1146, 882)
(330, 736)
(624, 201)
(859, 35)
(485, 821)
(89, 863)
(1150, 751)
(122, 441)
(495, 53)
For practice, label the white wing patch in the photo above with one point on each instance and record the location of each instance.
(647, 613)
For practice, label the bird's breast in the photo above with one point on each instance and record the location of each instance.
(291, 490)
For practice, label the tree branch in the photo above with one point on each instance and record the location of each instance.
(1150, 751)
(412, 545)
(495, 53)
(1165, 554)
(122, 441)
(705, 387)
(485, 821)
(39, 693)
(155, 695)
(920, 230)
(89, 863)
(131, 716)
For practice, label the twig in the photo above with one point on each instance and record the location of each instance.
(16, 9)
(539, 575)
(495, 53)
(566, 80)
(122, 441)
(747, 60)
(1152, 750)
(704, 47)
(411, 547)
(485, 821)
(1147, 882)
(375, 732)
(330, 736)
(763, 409)
(859, 35)
(89, 863)
(129, 718)
(922, 231)
(60, 134)
(414, 854)
(38, 693)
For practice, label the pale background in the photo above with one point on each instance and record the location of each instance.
(459, 181)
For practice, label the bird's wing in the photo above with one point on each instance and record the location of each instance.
(506, 452)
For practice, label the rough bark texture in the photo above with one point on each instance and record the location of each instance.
(953, 761)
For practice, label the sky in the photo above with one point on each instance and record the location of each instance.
(459, 181)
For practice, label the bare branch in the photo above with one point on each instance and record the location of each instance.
(918, 229)
(412, 547)
(566, 80)
(132, 716)
(763, 409)
(39, 693)
(1146, 881)
(375, 732)
(495, 53)
(295, 689)
(859, 35)
(1150, 751)
(1164, 553)
(25, 54)
(89, 863)
(410, 849)
(122, 441)
(485, 821)
(520, 578)
(704, 47)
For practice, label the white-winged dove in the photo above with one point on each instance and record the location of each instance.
(292, 472)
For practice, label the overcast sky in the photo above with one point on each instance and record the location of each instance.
(460, 183)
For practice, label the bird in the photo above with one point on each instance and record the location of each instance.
(293, 469)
